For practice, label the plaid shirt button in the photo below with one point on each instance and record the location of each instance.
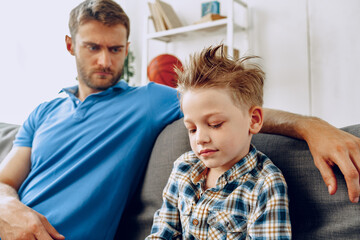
(195, 222)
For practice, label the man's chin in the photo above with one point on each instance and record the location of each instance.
(101, 86)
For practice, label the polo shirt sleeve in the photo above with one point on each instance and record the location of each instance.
(164, 103)
(25, 135)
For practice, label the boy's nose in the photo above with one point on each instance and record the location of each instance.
(202, 137)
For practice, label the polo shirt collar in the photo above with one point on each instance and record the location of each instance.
(72, 91)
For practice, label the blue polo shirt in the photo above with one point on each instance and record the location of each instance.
(87, 157)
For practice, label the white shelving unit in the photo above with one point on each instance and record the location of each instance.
(226, 26)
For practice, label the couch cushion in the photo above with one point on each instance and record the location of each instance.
(313, 212)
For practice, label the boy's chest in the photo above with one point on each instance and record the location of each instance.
(214, 213)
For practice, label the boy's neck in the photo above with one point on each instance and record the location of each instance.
(211, 177)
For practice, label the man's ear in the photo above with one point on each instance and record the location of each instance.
(127, 48)
(256, 119)
(69, 44)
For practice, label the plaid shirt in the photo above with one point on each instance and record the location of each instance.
(249, 202)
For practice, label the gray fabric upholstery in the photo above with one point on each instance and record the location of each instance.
(7, 136)
(314, 213)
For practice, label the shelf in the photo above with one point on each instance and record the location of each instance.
(168, 35)
(224, 28)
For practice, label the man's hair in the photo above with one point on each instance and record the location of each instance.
(107, 12)
(212, 69)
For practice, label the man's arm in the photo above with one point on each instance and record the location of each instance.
(17, 221)
(328, 146)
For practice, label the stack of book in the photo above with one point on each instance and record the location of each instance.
(163, 16)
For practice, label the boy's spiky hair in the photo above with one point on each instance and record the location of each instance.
(211, 68)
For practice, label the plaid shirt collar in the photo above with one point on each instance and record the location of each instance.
(242, 167)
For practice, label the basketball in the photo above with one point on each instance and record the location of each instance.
(161, 70)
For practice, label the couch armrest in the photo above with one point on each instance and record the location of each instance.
(7, 136)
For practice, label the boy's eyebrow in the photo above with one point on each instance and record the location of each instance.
(186, 120)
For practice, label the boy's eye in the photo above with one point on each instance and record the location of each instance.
(215, 125)
(192, 130)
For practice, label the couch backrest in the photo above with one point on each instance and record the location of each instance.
(313, 212)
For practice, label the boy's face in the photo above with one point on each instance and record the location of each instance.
(219, 131)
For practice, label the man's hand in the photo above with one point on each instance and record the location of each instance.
(19, 222)
(330, 146)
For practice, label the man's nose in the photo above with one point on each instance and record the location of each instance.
(104, 59)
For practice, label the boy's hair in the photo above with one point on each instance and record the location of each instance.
(211, 68)
(107, 12)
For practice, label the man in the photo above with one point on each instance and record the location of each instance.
(77, 160)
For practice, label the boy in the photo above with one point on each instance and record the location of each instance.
(224, 188)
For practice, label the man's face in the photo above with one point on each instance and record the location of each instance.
(100, 52)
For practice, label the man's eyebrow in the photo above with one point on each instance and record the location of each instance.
(117, 46)
(90, 43)
(96, 44)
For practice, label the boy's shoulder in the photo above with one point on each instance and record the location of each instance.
(265, 165)
(267, 172)
(186, 161)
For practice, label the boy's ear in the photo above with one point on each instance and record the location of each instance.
(69, 45)
(256, 119)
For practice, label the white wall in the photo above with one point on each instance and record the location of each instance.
(35, 64)
(279, 36)
(335, 60)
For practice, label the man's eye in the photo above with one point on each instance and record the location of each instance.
(93, 48)
(115, 50)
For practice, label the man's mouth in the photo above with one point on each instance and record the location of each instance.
(103, 73)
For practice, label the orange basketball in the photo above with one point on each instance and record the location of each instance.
(161, 69)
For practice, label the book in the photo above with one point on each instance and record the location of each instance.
(156, 18)
(153, 18)
(168, 14)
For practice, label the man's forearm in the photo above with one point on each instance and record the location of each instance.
(288, 124)
(7, 193)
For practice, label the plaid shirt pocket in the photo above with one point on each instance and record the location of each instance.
(226, 225)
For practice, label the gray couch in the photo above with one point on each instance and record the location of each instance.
(314, 213)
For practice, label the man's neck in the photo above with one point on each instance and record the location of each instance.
(85, 91)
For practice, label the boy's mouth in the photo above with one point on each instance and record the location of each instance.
(207, 152)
